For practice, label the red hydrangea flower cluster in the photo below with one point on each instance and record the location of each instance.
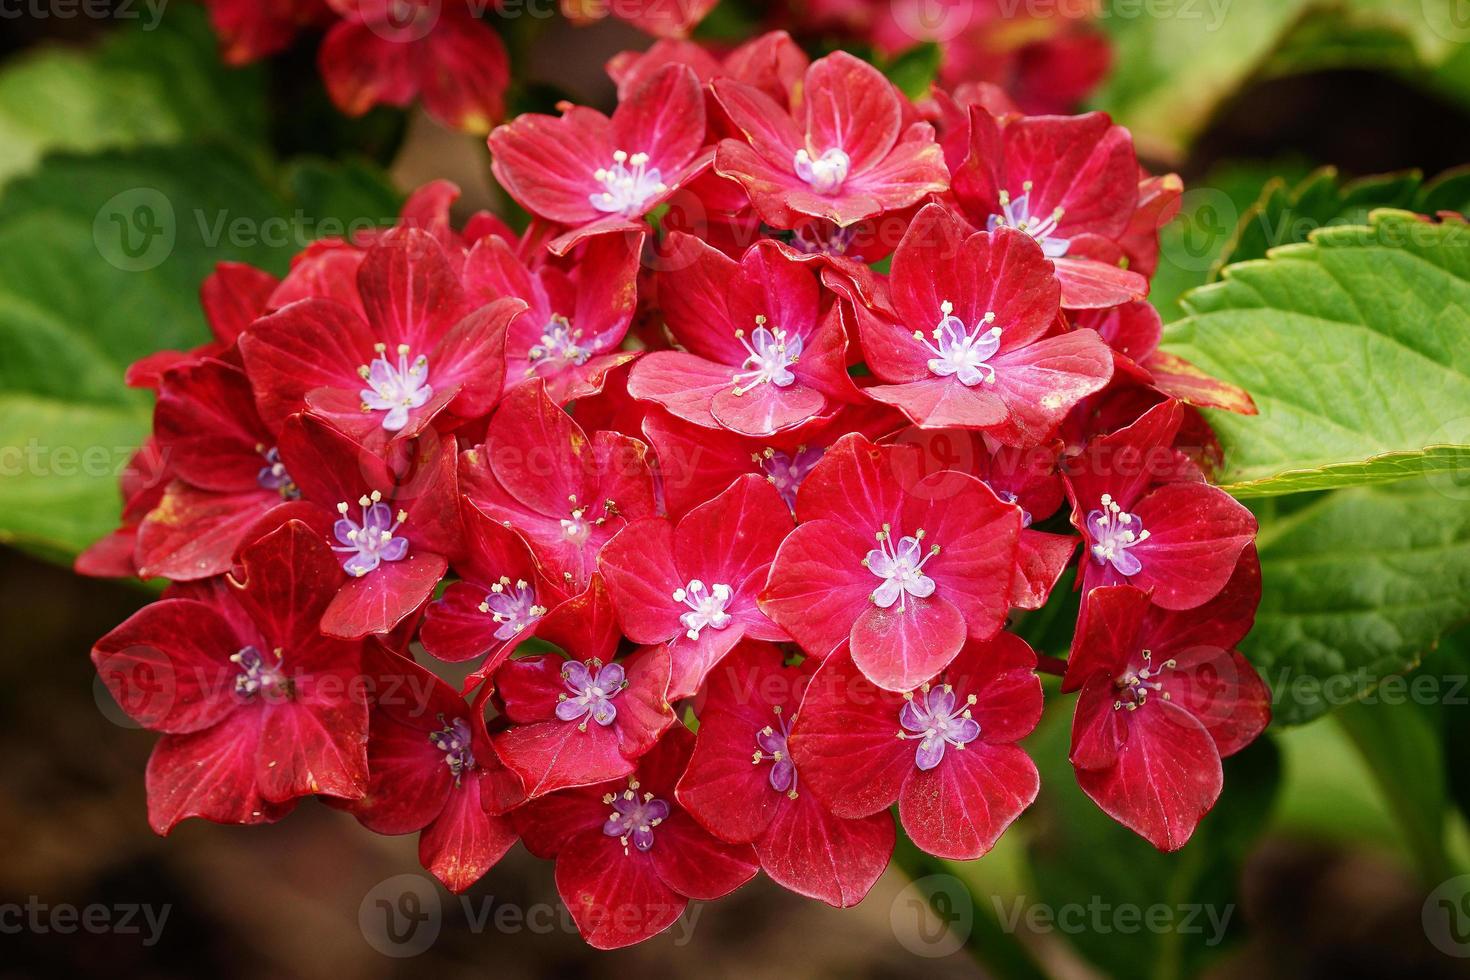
(727, 483)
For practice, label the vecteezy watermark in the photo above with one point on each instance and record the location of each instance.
(1101, 917)
(150, 12)
(933, 916)
(404, 915)
(136, 230)
(97, 918)
(1446, 917)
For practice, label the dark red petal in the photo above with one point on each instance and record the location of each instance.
(638, 566)
(381, 599)
(464, 842)
(209, 774)
(845, 742)
(818, 586)
(809, 851)
(1196, 535)
(1167, 777)
(898, 649)
(616, 898)
(695, 863)
(168, 666)
(959, 809)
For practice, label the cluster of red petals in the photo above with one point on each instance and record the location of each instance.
(445, 54)
(793, 398)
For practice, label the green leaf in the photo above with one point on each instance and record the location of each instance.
(914, 70)
(141, 85)
(1401, 744)
(1176, 66)
(1092, 872)
(1356, 349)
(101, 259)
(1285, 216)
(1358, 586)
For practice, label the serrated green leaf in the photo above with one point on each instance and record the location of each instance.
(1356, 349)
(1285, 216)
(1358, 585)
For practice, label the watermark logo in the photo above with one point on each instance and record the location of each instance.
(135, 231)
(401, 916)
(933, 916)
(1446, 917)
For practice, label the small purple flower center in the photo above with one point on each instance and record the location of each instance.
(1136, 684)
(769, 357)
(628, 185)
(513, 606)
(259, 674)
(784, 472)
(273, 475)
(395, 388)
(559, 347)
(706, 606)
(770, 746)
(633, 816)
(367, 544)
(929, 715)
(961, 352)
(827, 173)
(1017, 214)
(1114, 531)
(901, 567)
(454, 741)
(591, 687)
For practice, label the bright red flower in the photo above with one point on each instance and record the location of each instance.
(421, 350)
(578, 722)
(390, 52)
(849, 155)
(227, 472)
(693, 586)
(257, 707)
(966, 341)
(696, 463)
(1164, 696)
(1029, 478)
(628, 858)
(434, 771)
(943, 750)
(501, 597)
(1071, 183)
(576, 320)
(760, 354)
(746, 716)
(903, 565)
(1149, 520)
(394, 528)
(595, 175)
(566, 493)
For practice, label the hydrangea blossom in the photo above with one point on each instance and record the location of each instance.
(688, 456)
